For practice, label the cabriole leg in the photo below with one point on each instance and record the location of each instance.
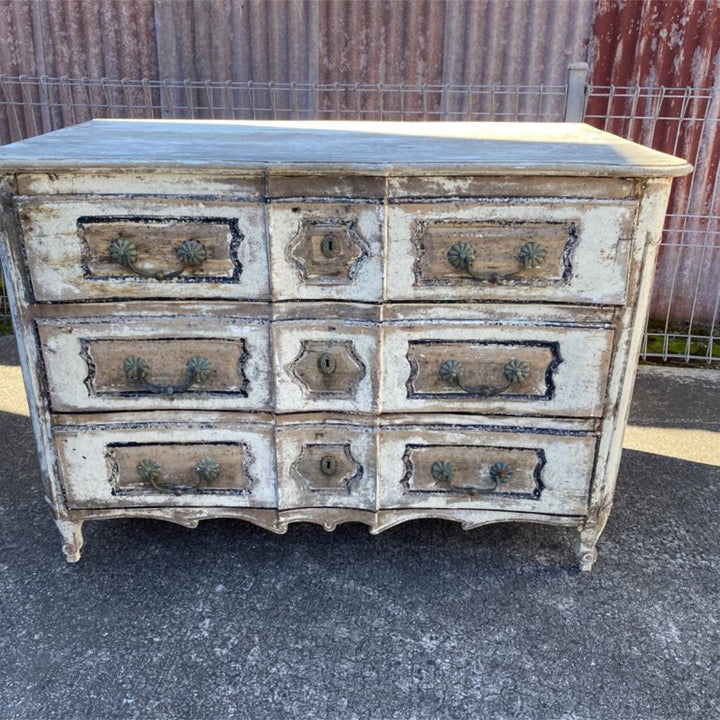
(588, 535)
(71, 532)
(585, 548)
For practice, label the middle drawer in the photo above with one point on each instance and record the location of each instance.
(506, 368)
(139, 363)
(192, 361)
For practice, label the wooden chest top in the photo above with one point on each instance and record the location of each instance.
(310, 147)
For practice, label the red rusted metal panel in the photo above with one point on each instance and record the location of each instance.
(659, 44)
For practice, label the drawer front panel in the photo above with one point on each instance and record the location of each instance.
(494, 252)
(484, 468)
(516, 370)
(566, 251)
(330, 464)
(144, 364)
(326, 250)
(326, 366)
(169, 465)
(202, 249)
(118, 248)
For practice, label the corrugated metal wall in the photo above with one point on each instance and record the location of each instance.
(676, 45)
(654, 68)
(317, 41)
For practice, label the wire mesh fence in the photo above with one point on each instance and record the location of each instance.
(32, 105)
(683, 324)
(683, 121)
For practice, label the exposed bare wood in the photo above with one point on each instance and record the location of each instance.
(321, 465)
(69, 262)
(99, 466)
(564, 368)
(326, 250)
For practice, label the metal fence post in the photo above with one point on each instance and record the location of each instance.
(577, 76)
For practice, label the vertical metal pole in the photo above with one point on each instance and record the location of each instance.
(41, 70)
(577, 75)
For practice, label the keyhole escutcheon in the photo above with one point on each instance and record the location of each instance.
(330, 246)
(326, 364)
(328, 465)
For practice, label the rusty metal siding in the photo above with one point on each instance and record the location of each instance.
(655, 44)
(71, 39)
(258, 41)
(314, 42)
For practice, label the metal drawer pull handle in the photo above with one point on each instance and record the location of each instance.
(515, 371)
(461, 255)
(191, 254)
(150, 471)
(443, 472)
(136, 368)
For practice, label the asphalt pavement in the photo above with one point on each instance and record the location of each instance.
(423, 621)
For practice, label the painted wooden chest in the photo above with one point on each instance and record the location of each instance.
(331, 322)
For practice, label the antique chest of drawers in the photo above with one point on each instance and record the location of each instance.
(331, 322)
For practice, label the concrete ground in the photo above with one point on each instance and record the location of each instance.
(423, 621)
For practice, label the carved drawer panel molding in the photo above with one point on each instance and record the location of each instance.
(87, 248)
(527, 469)
(326, 250)
(191, 468)
(146, 364)
(530, 253)
(331, 322)
(564, 251)
(166, 464)
(511, 369)
(328, 464)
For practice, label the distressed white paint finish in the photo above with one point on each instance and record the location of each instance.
(497, 313)
(82, 452)
(55, 249)
(62, 341)
(621, 379)
(599, 258)
(579, 379)
(566, 475)
(294, 395)
(313, 147)
(296, 486)
(459, 172)
(288, 221)
(147, 183)
(508, 186)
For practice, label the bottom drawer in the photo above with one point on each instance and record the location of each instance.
(160, 464)
(485, 467)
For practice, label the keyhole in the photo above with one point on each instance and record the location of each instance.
(326, 364)
(330, 246)
(328, 465)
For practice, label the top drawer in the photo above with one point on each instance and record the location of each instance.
(101, 248)
(529, 250)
